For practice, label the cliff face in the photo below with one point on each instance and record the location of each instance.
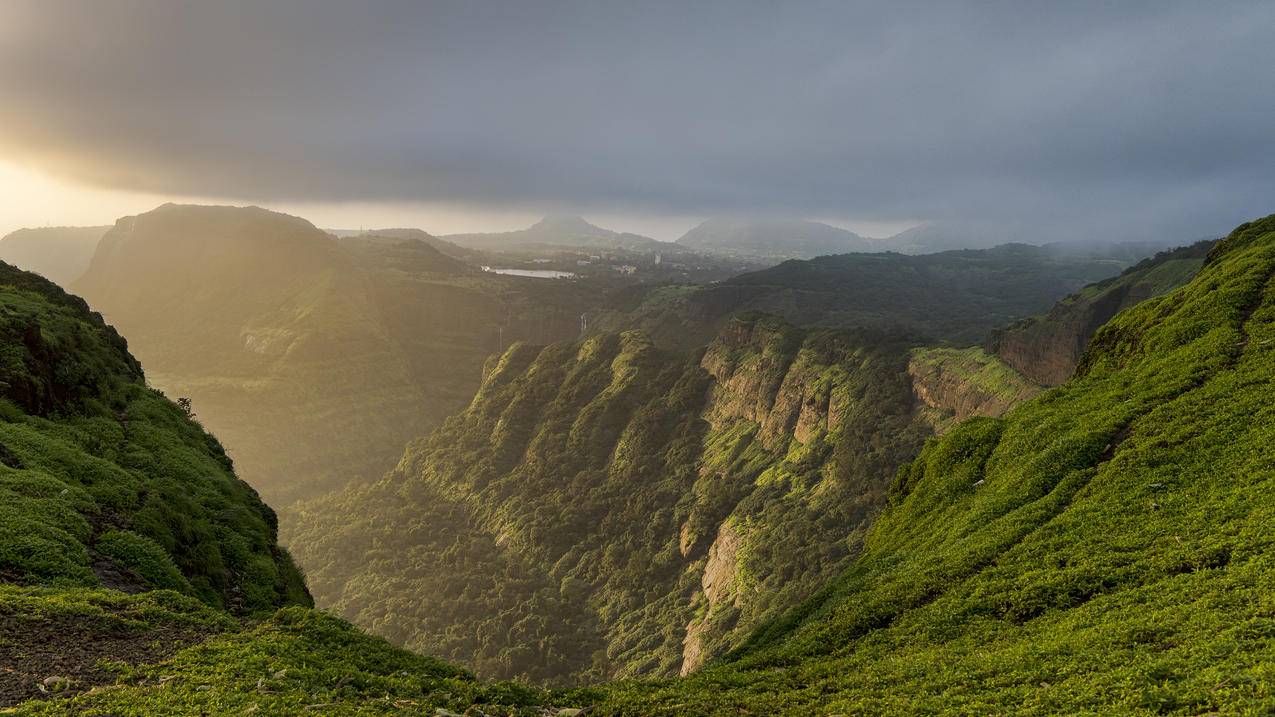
(1047, 348)
(659, 505)
(955, 384)
(625, 509)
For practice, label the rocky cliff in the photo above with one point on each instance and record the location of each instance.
(1046, 348)
(956, 384)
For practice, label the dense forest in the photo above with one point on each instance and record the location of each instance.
(953, 296)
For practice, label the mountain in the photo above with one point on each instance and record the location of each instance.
(455, 251)
(315, 359)
(409, 250)
(955, 296)
(559, 231)
(931, 237)
(1047, 347)
(771, 238)
(614, 509)
(60, 254)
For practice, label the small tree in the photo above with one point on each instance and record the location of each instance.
(184, 404)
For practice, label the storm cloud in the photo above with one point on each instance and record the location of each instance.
(1125, 119)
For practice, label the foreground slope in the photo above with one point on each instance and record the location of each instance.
(138, 575)
(1104, 548)
(106, 484)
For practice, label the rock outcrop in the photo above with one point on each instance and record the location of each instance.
(1047, 348)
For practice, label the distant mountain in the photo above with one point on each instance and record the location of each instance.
(60, 254)
(934, 237)
(408, 249)
(314, 358)
(562, 231)
(772, 238)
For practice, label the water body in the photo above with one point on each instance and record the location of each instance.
(533, 273)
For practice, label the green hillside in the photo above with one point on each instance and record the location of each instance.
(1106, 548)
(953, 296)
(1103, 548)
(106, 484)
(610, 508)
(1047, 347)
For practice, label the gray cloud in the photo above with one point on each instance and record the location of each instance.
(1123, 119)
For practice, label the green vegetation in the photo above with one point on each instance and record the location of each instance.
(297, 661)
(608, 508)
(956, 384)
(1103, 549)
(1047, 347)
(103, 479)
(953, 296)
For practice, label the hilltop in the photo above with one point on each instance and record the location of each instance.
(559, 231)
(772, 238)
(955, 296)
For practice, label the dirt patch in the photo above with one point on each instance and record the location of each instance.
(42, 658)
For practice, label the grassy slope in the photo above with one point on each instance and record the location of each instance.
(1105, 548)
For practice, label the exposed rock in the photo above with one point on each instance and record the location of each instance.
(959, 383)
(1047, 348)
(718, 583)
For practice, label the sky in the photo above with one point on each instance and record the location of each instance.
(1077, 120)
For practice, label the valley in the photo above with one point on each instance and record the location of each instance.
(763, 578)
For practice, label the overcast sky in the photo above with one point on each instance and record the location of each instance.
(1103, 119)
